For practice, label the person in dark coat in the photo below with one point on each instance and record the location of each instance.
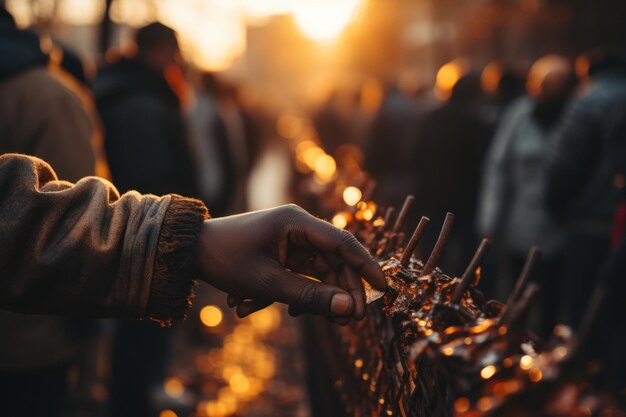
(586, 175)
(146, 146)
(146, 141)
(451, 143)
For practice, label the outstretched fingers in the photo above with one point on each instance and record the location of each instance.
(325, 237)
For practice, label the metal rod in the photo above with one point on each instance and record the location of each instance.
(404, 211)
(415, 238)
(468, 275)
(515, 312)
(531, 260)
(388, 216)
(441, 243)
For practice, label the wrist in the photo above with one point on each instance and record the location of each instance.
(175, 268)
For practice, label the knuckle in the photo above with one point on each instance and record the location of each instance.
(292, 209)
(308, 295)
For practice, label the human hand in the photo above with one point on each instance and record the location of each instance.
(257, 258)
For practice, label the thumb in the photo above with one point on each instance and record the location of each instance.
(309, 296)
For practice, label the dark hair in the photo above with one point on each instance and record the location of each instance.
(155, 35)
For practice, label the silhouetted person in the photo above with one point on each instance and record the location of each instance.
(145, 135)
(146, 145)
(586, 171)
(511, 210)
(388, 148)
(450, 146)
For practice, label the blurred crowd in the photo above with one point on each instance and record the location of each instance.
(523, 156)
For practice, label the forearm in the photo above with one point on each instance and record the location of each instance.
(82, 250)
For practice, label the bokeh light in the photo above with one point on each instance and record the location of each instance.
(352, 195)
(211, 316)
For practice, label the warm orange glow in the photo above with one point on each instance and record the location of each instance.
(288, 126)
(131, 12)
(462, 404)
(358, 363)
(526, 362)
(239, 383)
(481, 327)
(167, 413)
(484, 404)
(324, 167)
(379, 222)
(340, 220)
(490, 78)
(80, 12)
(265, 320)
(211, 316)
(228, 371)
(174, 387)
(448, 351)
(264, 369)
(448, 76)
(323, 20)
(487, 372)
(352, 195)
(535, 375)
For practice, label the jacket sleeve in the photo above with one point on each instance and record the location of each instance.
(81, 249)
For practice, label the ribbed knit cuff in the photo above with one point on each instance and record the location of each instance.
(175, 265)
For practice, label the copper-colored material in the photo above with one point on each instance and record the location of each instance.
(388, 217)
(410, 247)
(531, 260)
(404, 212)
(446, 229)
(468, 275)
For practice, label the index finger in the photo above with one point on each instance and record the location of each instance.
(324, 236)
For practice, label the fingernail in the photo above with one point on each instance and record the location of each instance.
(340, 304)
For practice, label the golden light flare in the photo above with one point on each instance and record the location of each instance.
(324, 167)
(174, 387)
(358, 363)
(323, 20)
(340, 220)
(352, 195)
(526, 362)
(447, 77)
(211, 316)
(488, 371)
(80, 12)
(239, 383)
